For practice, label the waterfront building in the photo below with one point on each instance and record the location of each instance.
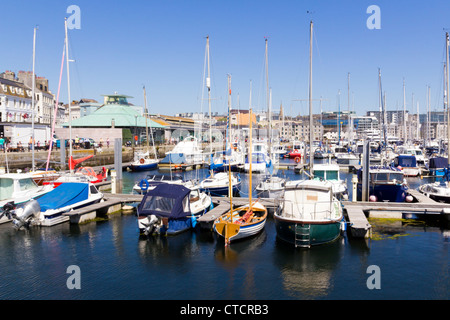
(16, 108)
(116, 113)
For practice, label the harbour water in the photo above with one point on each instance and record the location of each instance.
(116, 263)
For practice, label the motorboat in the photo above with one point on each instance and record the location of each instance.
(19, 188)
(152, 180)
(279, 150)
(298, 150)
(186, 152)
(309, 214)
(415, 151)
(271, 187)
(407, 164)
(437, 166)
(386, 184)
(438, 191)
(49, 209)
(217, 184)
(143, 162)
(347, 159)
(169, 209)
(260, 158)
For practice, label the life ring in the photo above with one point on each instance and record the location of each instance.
(141, 184)
(141, 161)
(297, 159)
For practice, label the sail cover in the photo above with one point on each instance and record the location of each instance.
(166, 200)
(66, 194)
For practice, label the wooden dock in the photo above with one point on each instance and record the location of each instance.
(357, 212)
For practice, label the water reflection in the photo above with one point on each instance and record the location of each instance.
(306, 273)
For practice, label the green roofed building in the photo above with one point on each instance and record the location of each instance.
(116, 112)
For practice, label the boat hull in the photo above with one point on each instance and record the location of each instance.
(319, 232)
(48, 220)
(246, 231)
(222, 191)
(385, 192)
(143, 167)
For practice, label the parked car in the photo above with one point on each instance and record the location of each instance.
(87, 143)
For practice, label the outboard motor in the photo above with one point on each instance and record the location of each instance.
(147, 224)
(8, 210)
(23, 216)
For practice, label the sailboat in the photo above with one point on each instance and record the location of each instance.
(271, 186)
(218, 184)
(143, 160)
(440, 190)
(244, 221)
(309, 213)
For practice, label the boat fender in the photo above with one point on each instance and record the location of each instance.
(142, 161)
(142, 183)
(297, 159)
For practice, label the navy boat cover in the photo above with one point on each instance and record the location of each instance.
(408, 161)
(65, 194)
(166, 200)
(438, 163)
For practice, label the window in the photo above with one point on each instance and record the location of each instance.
(7, 187)
(27, 184)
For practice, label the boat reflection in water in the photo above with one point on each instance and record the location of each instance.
(308, 274)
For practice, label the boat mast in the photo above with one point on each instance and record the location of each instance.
(230, 186)
(68, 93)
(405, 135)
(33, 100)
(250, 156)
(448, 92)
(208, 85)
(310, 100)
(269, 111)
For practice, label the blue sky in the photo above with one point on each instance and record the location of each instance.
(124, 45)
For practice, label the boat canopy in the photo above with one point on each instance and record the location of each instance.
(166, 200)
(64, 195)
(438, 163)
(407, 161)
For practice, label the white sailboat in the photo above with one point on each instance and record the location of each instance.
(143, 160)
(218, 184)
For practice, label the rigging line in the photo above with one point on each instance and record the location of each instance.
(72, 54)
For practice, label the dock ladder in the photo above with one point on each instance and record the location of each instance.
(302, 236)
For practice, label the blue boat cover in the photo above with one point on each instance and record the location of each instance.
(408, 161)
(173, 158)
(438, 163)
(166, 200)
(65, 194)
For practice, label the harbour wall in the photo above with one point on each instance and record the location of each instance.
(11, 161)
